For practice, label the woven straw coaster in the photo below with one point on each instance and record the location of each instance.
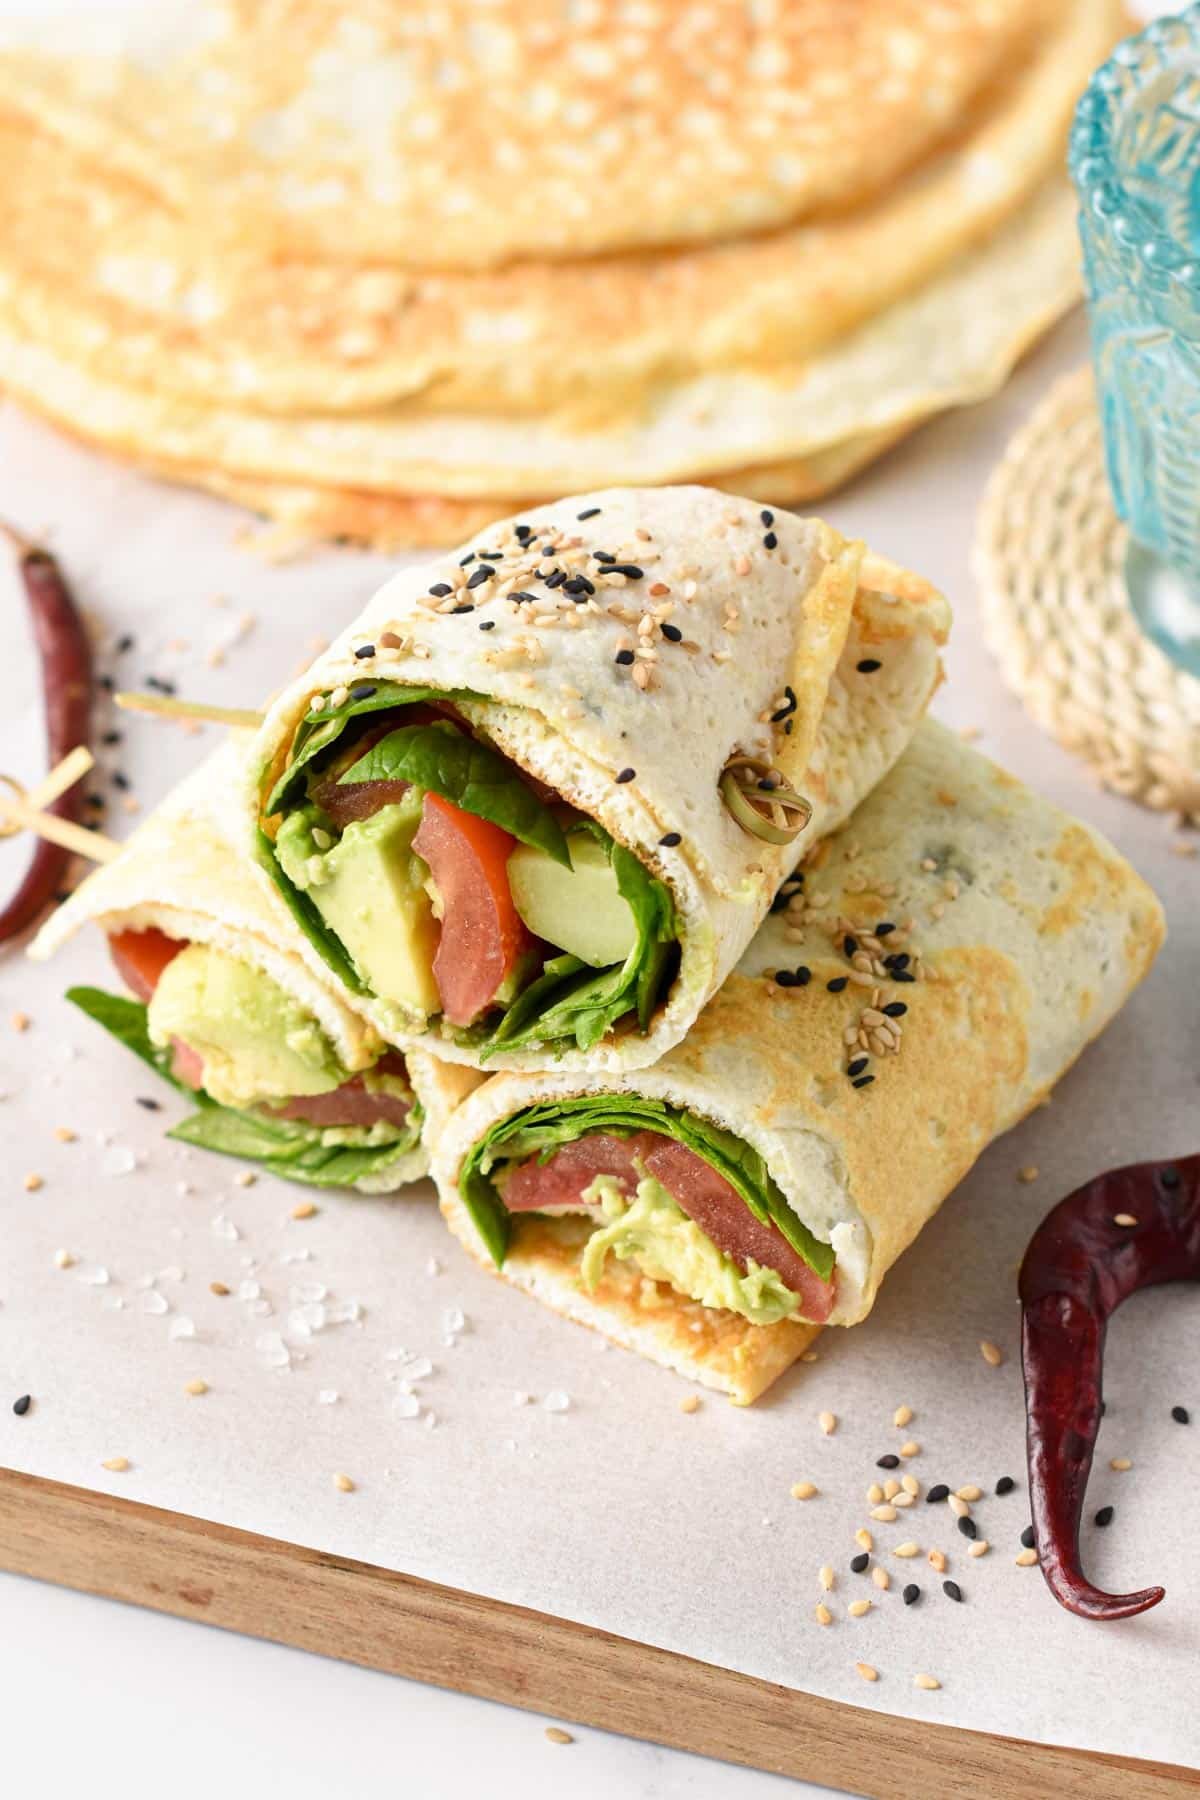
(1049, 559)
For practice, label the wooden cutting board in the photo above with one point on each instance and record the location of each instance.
(403, 1626)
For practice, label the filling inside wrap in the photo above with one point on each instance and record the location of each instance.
(433, 873)
(268, 1080)
(684, 1200)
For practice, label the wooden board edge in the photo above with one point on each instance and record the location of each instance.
(402, 1625)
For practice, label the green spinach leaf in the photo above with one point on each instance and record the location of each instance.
(318, 732)
(468, 773)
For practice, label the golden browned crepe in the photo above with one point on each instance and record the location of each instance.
(1024, 931)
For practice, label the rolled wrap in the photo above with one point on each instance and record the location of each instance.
(1027, 934)
(790, 644)
(181, 874)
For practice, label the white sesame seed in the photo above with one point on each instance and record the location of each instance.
(979, 1548)
(1121, 1464)
(1026, 1558)
(884, 1514)
(881, 1578)
(910, 1448)
(822, 1614)
(828, 1423)
(343, 1484)
(958, 1507)
(902, 1415)
(991, 1353)
(825, 1577)
(937, 1560)
(874, 1494)
(857, 1608)
(1125, 1219)
(909, 1549)
(970, 1492)
(867, 1672)
(803, 1490)
(863, 1539)
(926, 1681)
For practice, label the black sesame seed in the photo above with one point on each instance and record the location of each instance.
(862, 1081)
(487, 625)
(604, 556)
(884, 928)
(97, 802)
(895, 1009)
(464, 607)
(120, 780)
(770, 541)
(1005, 1485)
(899, 959)
(767, 517)
(1181, 1415)
(803, 975)
(22, 1405)
(520, 598)
(478, 576)
(107, 683)
(624, 657)
(890, 1461)
(578, 584)
(589, 514)
(968, 1527)
(784, 978)
(630, 570)
(123, 644)
(364, 651)
(1104, 1517)
(556, 578)
(669, 842)
(1027, 1538)
(110, 737)
(938, 1492)
(464, 561)
(625, 774)
(952, 1590)
(850, 944)
(868, 665)
(523, 532)
(903, 975)
(856, 1068)
(837, 984)
(672, 634)
(365, 692)
(158, 685)
(150, 1104)
(858, 1563)
(911, 1594)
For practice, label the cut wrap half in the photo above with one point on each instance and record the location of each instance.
(920, 986)
(281, 1071)
(528, 808)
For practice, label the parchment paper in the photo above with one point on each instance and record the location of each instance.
(492, 1445)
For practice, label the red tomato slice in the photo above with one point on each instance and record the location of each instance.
(482, 932)
(141, 957)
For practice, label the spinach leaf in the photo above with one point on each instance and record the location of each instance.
(540, 1130)
(307, 915)
(126, 1021)
(286, 1147)
(318, 732)
(469, 774)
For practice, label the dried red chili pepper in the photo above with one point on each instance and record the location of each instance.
(1081, 1263)
(66, 660)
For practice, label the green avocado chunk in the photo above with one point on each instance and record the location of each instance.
(579, 909)
(369, 890)
(257, 1044)
(653, 1232)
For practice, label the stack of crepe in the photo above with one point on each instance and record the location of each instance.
(390, 272)
(691, 1063)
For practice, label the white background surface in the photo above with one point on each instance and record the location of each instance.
(101, 1699)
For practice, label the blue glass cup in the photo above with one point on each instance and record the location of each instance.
(1135, 162)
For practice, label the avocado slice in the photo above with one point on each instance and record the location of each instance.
(369, 889)
(256, 1042)
(581, 909)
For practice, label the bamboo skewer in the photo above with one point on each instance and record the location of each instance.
(166, 706)
(22, 810)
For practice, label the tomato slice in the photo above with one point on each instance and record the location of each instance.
(482, 933)
(140, 958)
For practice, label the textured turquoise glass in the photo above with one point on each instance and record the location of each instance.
(1135, 161)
